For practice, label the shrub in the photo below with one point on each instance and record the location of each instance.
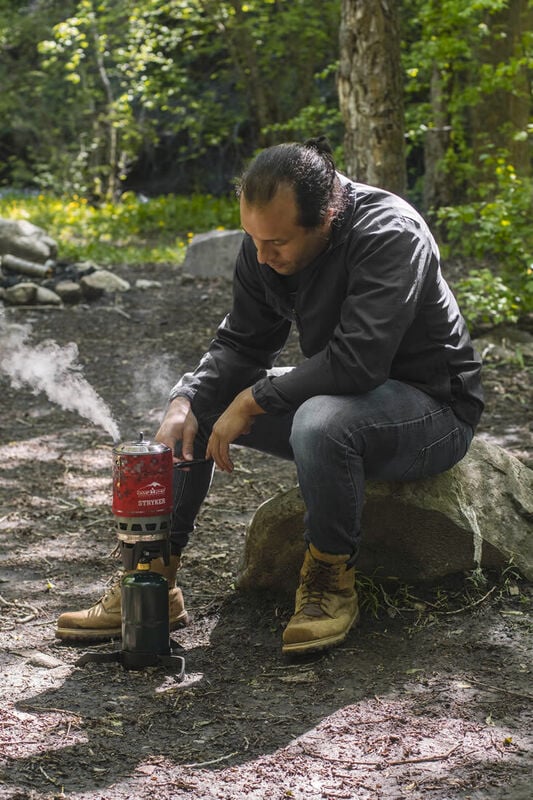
(485, 299)
(496, 230)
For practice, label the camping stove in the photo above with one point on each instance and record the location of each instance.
(142, 500)
(142, 509)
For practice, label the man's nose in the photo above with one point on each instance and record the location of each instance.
(264, 252)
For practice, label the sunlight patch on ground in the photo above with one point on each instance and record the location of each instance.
(41, 448)
(90, 460)
(14, 521)
(23, 732)
(170, 685)
(10, 483)
(93, 491)
(199, 633)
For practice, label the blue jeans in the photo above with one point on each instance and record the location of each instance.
(395, 432)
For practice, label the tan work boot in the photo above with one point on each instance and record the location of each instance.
(104, 621)
(326, 604)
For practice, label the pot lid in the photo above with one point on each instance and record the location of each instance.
(141, 446)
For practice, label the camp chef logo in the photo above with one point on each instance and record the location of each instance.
(153, 494)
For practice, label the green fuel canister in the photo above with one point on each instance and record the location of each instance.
(145, 618)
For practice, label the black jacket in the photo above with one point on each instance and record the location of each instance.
(373, 306)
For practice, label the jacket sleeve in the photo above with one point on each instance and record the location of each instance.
(387, 266)
(246, 343)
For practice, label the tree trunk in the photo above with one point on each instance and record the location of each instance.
(501, 118)
(243, 54)
(437, 185)
(371, 93)
(111, 165)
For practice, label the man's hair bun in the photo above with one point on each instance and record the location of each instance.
(320, 144)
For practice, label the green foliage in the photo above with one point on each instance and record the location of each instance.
(131, 231)
(498, 219)
(318, 118)
(451, 59)
(92, 88)
(496, 229)
(485, 299)
(107, 80)
(460, 59)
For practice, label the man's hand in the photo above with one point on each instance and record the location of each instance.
(179, 425)
(236, 420)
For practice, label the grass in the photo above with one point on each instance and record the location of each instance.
(133, 231)
(450, 596)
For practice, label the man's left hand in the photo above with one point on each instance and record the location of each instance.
(236, 420)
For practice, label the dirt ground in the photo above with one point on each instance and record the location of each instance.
(428, 698)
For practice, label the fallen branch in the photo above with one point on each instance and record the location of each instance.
(470, 605)
(30, 707)
(96, 521)
(213, 761)
(349, 763)
(27, 618)
(383, 764)
(34, 612)
(501, 689)
(438, 757)
(117, 311)
(16, 604)
(434, 608)
(48, 778)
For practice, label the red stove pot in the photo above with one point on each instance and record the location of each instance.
(142, 499)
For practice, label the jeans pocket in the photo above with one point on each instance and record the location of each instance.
(438, 456)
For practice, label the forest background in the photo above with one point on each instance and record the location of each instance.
(124, 123)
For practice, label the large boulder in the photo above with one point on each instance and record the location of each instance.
(213, 254)
(480, 513)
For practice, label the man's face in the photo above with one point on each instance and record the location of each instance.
(281, 243)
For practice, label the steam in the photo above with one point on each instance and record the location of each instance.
(50, 368)
(153, 384)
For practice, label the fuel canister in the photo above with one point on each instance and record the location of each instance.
(145, 618)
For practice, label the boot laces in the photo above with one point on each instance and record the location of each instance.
(318, 580)
(113, 586)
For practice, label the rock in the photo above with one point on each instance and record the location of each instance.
(213, 254)
(85, 267)
(47, 297)
(21, 294)
(69, 291)
(480, 513)
(24, 267)
(38, 659)
(100, 281)
(25, 240)
(144, 283)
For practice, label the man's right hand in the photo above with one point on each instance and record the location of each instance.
(179, 425)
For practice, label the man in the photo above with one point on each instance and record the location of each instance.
(389, 386)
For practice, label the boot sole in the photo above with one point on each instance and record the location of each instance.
(95, 635)
(297, 648)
